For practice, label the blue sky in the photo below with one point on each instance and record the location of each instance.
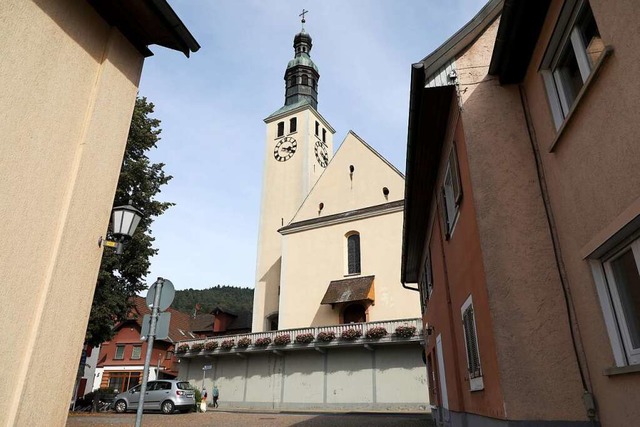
(212, 107)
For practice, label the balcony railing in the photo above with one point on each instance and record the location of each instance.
(393, 336)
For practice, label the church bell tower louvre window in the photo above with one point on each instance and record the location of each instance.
(293, 125)
(280, 129)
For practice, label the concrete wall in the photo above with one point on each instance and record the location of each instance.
(388, 378)
(68, 89)
(594, 184)
(284, 187)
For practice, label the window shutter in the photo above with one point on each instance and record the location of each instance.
(455, 175)
(445, 217)
(473, 356)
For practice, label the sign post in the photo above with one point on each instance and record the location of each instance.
(157, 302)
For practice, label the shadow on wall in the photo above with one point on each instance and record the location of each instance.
(68, 13)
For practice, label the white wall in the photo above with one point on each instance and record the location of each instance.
(391, 377)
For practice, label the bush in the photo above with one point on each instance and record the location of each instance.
(228, 344)
(282, 339)
(244, 342)
(326, 336)
(211, 345)
(351, 334)
(198, 395)
(304, 338)
(262, 342)
(405, 331)
(183, 348)
(199, 346)
(376, 332)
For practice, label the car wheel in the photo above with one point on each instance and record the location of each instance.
(167, 407)
(121, 406)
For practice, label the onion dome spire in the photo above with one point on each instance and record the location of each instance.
(301, 77)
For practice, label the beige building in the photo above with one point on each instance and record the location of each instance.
(333, 328)
(70, 71)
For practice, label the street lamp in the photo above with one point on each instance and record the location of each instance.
(124, 221)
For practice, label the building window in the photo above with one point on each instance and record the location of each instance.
(451, 193)
(317, 128)
(426, 282)
(324, 135)
(280, 129)
(471, 344)
(136, 352)
(123, 381)
(168, 355)
(119, 352)
(353, 254)
(618, 281)
(573, 51)
(305, 80)
(293, 124)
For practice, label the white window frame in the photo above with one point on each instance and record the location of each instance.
(118, 346)
(565, 36)
(426, 282)
(133, 352)
(624, 352)
(476, 383)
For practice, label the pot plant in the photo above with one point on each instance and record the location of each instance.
(228, 344)
(282, 339)
(211, 345)
(351, 334)
(326, 336)
(183, 348)
(197, 347)
(262, 342)
(376, 332)
(305, 338)
(244, 342)
(405, 331)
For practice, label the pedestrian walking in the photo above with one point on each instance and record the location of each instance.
(216, 396)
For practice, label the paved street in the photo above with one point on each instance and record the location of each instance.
(237, 419)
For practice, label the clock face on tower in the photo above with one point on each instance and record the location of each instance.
(285, 149)
(322, 156)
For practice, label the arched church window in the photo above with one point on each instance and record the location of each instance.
(354, 313)
(353, 254)
(280, 129)
(293, 124)
(305, 80)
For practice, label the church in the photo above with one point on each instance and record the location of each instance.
(333, 326)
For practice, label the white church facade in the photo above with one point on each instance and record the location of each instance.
(333, 328)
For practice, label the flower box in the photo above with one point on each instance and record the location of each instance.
(244, 342)
(211, 345)
(326, 336)
(405, 331)
(197, 347)
(304, 338)
(282, 339)
(351, 334)
(227, 344)
(262, 342)
(376, 332)
(183, 348)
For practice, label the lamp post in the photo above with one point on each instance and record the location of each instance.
(124, 221)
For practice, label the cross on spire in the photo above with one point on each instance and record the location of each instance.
(302, 15)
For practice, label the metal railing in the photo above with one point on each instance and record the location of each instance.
(389, 325)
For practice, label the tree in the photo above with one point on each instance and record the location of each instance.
(122, 276)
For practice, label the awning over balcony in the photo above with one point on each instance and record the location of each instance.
(349, 290)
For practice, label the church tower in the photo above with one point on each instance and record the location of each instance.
(298, 146)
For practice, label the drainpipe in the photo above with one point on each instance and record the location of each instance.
(588, 397)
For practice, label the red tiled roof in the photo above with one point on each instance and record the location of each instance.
(179, 326)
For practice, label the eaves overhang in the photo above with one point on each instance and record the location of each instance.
(147, 22)
(518, 33)
(429, 110)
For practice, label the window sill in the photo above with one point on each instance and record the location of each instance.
(608, 50)
(621, 370)
(352, 274)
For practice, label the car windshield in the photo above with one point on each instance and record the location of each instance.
(184, 386)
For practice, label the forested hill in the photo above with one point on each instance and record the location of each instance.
(231, 298)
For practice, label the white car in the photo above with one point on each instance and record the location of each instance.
(161, 395)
